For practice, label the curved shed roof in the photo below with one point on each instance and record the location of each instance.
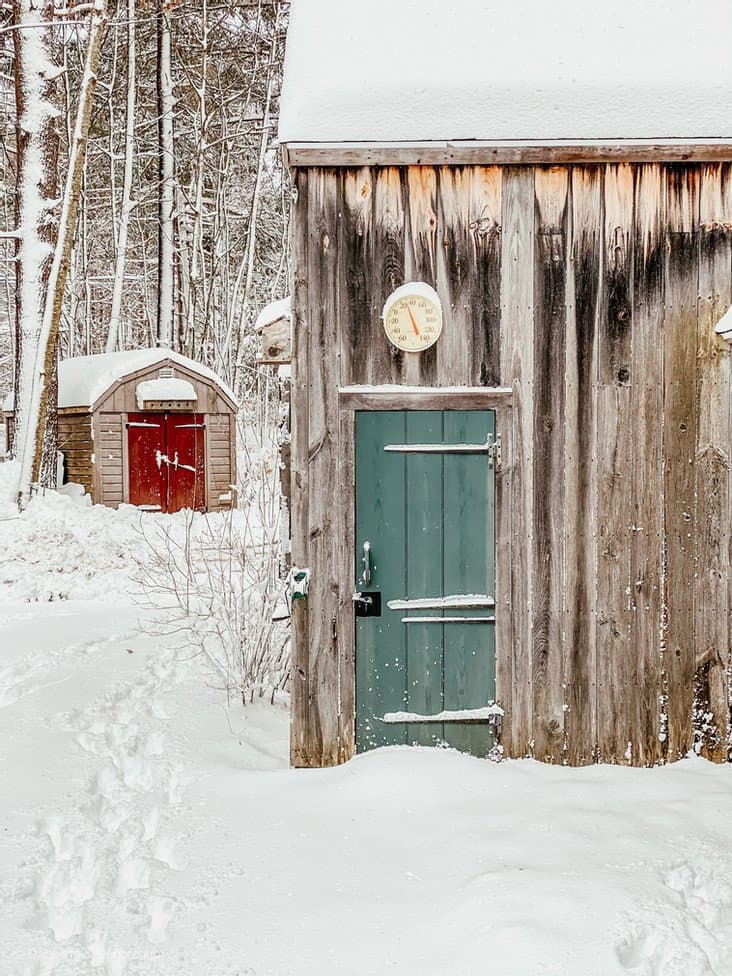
(586, 70)
(82, 380)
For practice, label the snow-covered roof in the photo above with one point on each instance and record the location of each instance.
(281, 309)
(164, 388)
(83, 379)
(426, 70)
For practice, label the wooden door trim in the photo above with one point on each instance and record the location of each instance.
(424, 398)
(352, 399)
(504, 152)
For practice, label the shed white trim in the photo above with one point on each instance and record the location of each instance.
(164, 388)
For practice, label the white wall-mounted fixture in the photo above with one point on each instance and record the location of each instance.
(724, 326)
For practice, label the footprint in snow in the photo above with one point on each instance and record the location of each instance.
(161, 911)
(65, 888)
(687, 933)
(166, 851)
(134, 874)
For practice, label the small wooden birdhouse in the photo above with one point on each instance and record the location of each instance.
(274, 328)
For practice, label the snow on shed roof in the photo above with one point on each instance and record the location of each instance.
(425, 70)
(281, 309)
(164, 389)
(83, 379)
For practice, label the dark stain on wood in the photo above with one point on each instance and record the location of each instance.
(680, 447)
(647, 555)
(549, 357)
(420, 193)
(486, 270)
(357, 255)
(580, 583)
(389, 256)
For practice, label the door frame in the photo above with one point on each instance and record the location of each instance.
(354, 398)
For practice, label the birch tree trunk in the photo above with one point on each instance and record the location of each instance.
(166, 200)
(127, 202)
(39, 407)
(196, 257)
(37, 109)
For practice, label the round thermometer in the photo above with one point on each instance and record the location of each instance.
(413, 317)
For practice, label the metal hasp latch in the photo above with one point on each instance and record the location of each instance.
(367, 604)
(496, 720)
(366, 560)
(494, 451)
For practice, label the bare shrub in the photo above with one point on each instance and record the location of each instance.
(217, 578)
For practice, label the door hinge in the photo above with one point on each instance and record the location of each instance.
(494, 451)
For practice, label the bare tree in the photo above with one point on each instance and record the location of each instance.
(166, 200)
(39, 408)
(36, 76)
(222, 205)
(127, 201)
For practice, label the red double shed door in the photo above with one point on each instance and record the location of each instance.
(165, 453)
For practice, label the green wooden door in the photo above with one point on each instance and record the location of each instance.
(425, 507)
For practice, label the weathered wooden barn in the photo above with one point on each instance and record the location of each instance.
(147, 427)
(510, 407)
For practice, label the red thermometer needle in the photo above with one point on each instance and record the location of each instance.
(411, 319)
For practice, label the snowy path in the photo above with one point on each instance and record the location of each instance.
(93, 881)
(149, 831)
(146, 829)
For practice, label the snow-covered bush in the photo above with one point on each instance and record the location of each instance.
(220, 584)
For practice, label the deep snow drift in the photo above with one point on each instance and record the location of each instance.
(147, 828)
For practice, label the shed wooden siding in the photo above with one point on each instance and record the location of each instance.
(110, 458)
(76, 442)
(110, 416)
(220, 459)
(593, 292)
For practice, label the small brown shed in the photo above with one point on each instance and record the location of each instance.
(147, 427)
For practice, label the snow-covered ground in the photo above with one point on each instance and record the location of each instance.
(147, 828)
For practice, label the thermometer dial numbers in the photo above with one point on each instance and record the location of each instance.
(413, 323)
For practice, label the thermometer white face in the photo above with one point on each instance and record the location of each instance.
(413, 317)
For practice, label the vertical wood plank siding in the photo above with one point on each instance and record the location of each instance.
(593, 292)
(679, 424)
(646, 539)
(580, 493)
(304, 750)
(712, 494)
(517, 371)
(322, 445)
(616, 671)
(550, 278)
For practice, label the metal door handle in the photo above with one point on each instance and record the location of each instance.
(366, 575)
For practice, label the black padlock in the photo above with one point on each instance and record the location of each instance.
(367, 604)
